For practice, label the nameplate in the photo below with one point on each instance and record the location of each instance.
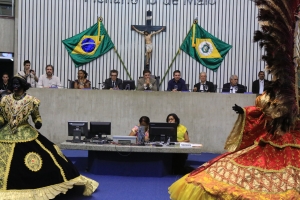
(186, 145)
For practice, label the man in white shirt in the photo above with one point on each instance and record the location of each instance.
(48, 80)
(260, 84)
(29, 74)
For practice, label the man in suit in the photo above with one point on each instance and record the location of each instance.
(177, 83)
(233, 86)
(204, 85)
(113, 83)
(260, 84)
(147, 82)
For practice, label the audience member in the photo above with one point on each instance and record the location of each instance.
(233, 86)
(204, 85)
(82, 81)
(182, 134)
(48, 80)
(177, 83)
(4, 85)
(147, 82)
(29, 74)
(259, 85)
(113, 82)
(144, 121)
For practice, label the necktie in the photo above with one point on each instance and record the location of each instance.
(113, 84)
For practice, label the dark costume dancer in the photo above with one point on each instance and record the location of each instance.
(31, 167)
(263, 161)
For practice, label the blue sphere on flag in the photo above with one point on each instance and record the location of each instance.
(88, 45)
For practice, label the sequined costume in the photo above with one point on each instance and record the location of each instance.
(259, 165)
(32, 167)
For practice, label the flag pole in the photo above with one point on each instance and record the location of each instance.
(122, 63)
(163, 79)
(100, 19)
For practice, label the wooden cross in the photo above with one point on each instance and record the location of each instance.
(148, 28)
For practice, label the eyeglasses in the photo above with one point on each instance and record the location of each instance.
(113, 75)
(235, 79)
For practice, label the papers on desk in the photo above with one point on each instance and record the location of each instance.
(189, 145)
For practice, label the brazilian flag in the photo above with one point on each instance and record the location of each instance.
(89, 44)
(204, 47)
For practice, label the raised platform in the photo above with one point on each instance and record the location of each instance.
(208, 116)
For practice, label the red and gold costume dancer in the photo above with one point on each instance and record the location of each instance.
(263, 159)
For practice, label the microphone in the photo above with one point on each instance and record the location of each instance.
(103, 85)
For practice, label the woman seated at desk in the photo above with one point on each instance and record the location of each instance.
(178, 160)
(182, 134)
(144, 121)
(82, 82)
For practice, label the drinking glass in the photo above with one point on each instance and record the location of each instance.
(206, 88)
(235, 88)
(176, 87)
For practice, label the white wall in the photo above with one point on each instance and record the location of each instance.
(7, 35)
(42, 25)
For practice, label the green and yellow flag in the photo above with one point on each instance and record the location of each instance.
(204, 47)
(89, 44)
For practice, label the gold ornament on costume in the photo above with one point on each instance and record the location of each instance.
(60, 153)
(33, 161)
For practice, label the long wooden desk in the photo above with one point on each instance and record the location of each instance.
(110, 159)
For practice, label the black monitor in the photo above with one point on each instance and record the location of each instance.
(128, 85)
(100, 129)
(77, 129)
(161, 132)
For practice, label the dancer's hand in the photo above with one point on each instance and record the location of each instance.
(238, 109)
(38, 125)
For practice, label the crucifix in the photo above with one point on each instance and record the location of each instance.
(146, 31)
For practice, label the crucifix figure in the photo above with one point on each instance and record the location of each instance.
(146, 31)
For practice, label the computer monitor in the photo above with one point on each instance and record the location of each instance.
(77, 129)
(161, 132)
(100, 129)
(128, 85)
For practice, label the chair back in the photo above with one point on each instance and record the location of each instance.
(187, 86)
(71, 84)
(215, 87)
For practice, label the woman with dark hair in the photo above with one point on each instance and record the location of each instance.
(144, 121)
(82, 81)
(182, 134)
(32, 167)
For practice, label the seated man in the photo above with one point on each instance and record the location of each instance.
(113, 83)
(233, 86)
(48, 80)
(29, 74)
(177, 83)
(260, 84)
(147, 82)
(204, 85)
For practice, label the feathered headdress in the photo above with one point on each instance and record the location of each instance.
(278, 22)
